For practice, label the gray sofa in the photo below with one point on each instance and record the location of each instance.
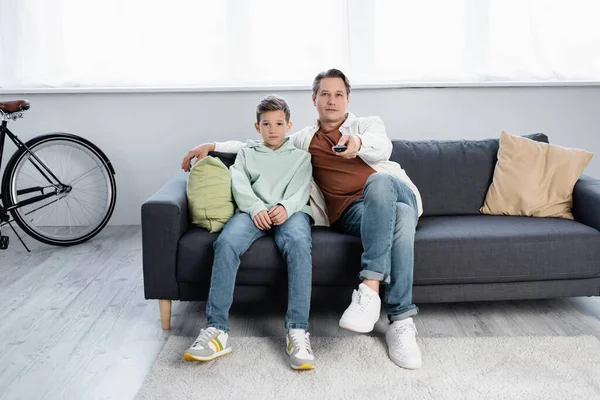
(460, 255)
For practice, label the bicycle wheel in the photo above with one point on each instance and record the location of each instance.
(72, 213)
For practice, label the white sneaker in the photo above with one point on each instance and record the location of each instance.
(402, 344)
(299, 349)
(210, 344)
(363, 312)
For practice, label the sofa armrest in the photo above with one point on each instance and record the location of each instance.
(164, 221)
(586, 201)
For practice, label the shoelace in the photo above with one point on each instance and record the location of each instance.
(205, 336)
(403, 333)
(359, 301)
(301, 345)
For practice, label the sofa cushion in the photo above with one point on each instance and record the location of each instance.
(448, 250)
(262, 264)
(210, 201)
(534, 179)
(486, 248)
(453, 176)
(336, 259)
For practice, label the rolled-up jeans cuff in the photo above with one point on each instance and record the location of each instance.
(404, 315)
(373, 276)
(297, 326)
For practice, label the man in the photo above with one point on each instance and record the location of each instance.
(360, 192)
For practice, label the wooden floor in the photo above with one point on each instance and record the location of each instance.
(74, 322)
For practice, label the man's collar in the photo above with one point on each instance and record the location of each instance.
(349, 120)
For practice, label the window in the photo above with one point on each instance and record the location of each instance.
(232, 43)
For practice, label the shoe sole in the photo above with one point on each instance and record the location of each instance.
(302, 367)
(404, 365)
(190, 357)
(357, 328)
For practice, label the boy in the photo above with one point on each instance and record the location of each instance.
(270, 183)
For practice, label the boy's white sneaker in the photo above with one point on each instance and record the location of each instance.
(297, 346)
(210, 344)
(363, 312)
(402, 344)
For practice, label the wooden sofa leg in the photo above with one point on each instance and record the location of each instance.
(165, 313)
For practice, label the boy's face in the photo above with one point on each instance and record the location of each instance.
(331, 100)
(273, 127)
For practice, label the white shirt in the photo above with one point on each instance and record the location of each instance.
(375, 151)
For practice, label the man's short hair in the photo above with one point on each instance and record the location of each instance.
(331, 73)
(273, 103)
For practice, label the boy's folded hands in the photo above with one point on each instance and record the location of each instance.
(262, 221)
(278, 214)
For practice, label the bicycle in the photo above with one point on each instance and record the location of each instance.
(59, 188)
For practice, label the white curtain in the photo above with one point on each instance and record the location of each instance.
(482, 41)
(147, 43)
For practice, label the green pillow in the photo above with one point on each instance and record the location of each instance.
(210, 201)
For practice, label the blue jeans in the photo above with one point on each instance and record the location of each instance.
(294, 240)
(386, 219)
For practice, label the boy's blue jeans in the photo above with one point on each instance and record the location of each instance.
(386, 219)
(294, 240)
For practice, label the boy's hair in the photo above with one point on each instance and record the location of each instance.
(331, 73)
(272, 103)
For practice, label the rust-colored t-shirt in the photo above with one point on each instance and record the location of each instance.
(341, 180)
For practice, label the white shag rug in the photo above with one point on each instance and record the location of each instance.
(358, 367)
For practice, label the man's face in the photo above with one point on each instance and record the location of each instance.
(331, 100)
(273, 127)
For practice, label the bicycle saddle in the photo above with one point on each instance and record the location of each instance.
(14, 106)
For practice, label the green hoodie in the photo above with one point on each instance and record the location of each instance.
(261, 178)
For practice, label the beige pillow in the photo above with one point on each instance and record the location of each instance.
(534, 179)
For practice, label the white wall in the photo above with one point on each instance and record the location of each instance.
(147, 134)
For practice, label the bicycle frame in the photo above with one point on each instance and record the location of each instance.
(59, 187)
